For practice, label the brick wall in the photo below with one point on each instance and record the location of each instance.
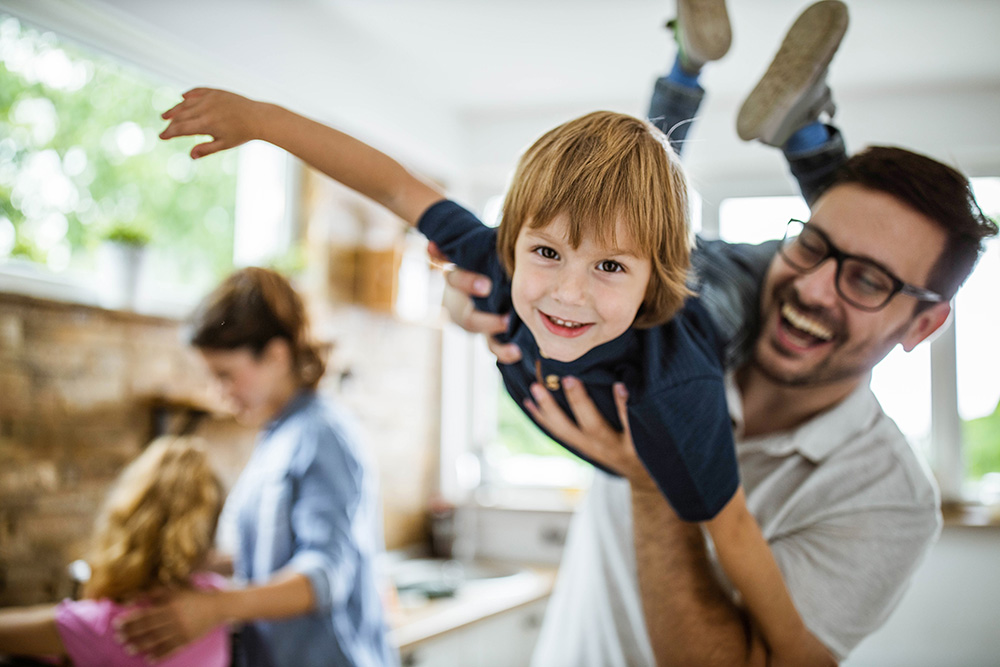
(76, 384)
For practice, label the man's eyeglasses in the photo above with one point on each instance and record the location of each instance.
(860, 282)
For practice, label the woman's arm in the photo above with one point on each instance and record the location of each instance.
(232, 120)
(30, 631)
(175, 620)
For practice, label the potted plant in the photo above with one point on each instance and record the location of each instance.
(122, 255)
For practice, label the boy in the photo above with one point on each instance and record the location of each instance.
(592, 254)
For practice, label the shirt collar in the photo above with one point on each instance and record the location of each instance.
(597, 357)
(297, 402)
(818, 437)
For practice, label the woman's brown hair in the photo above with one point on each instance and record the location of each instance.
(249, 309)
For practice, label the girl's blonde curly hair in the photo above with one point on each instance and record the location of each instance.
(157, 524)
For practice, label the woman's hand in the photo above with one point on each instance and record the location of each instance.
(226, 117)
(171, 622)
(592, 435)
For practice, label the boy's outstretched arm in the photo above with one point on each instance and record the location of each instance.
(232, 120)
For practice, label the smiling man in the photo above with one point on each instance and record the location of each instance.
(847, 508)
(831, 310)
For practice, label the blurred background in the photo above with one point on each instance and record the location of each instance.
(109, 236)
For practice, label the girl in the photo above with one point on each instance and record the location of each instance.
(153, 533)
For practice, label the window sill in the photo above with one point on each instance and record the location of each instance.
(971, 515)
(528, 498)
(26, 279)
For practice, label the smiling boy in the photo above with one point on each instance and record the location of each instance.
(576, 298)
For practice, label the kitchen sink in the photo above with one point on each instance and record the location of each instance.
(438, 577)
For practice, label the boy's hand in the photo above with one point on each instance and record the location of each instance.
(226, 117)
(592, 435)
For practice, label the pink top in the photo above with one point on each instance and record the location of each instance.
(89, 638)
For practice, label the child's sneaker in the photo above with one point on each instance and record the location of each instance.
(702, 32)
(793, 91)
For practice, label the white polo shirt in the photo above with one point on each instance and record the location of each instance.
(848, 509)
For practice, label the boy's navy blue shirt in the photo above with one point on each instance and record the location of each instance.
(677, 406)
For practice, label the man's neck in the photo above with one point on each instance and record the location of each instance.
(771, 407)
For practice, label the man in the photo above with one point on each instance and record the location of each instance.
(846, 506)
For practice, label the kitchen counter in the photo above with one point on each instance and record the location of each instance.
(417, 619)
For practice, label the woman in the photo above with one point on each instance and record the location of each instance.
(304, 513)
(153, 533)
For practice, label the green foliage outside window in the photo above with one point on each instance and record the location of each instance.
(517, 434)
(80, 161)
(981, 444)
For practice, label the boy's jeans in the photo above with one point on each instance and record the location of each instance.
(673, 108)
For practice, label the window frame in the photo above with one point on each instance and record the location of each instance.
(105, 35)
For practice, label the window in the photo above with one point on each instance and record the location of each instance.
(515, 462)
(80, 159)
(978, 358)
(914, 386)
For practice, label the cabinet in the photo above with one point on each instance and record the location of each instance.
(502, 640)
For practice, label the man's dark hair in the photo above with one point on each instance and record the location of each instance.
(934, 189)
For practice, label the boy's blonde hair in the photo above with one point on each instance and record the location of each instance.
(157, 524)
(597, 169)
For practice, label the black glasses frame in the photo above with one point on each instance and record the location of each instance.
(898, 286)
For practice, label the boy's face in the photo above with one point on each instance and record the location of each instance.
(809, 334)
(574, 299)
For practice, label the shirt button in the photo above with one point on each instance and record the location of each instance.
(552, 382)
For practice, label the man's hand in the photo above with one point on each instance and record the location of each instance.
(462, 286)
(171, 622)
(225, 116)
(592, 435)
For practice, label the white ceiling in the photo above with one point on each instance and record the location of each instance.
(522, 53)
(438, 80)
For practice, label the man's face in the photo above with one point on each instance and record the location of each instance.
(809, 334)
(574, 299)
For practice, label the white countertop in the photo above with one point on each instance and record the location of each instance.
(414, 621)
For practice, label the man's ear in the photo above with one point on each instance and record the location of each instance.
(925, 324)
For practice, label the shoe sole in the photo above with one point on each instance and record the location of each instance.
(790, 85)
(706, 27)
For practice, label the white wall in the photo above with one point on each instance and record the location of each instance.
(957, 126)
(949, 615)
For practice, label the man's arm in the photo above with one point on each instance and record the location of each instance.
(689, 618)
(465, 284)
(232, 120)
(747, 560)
